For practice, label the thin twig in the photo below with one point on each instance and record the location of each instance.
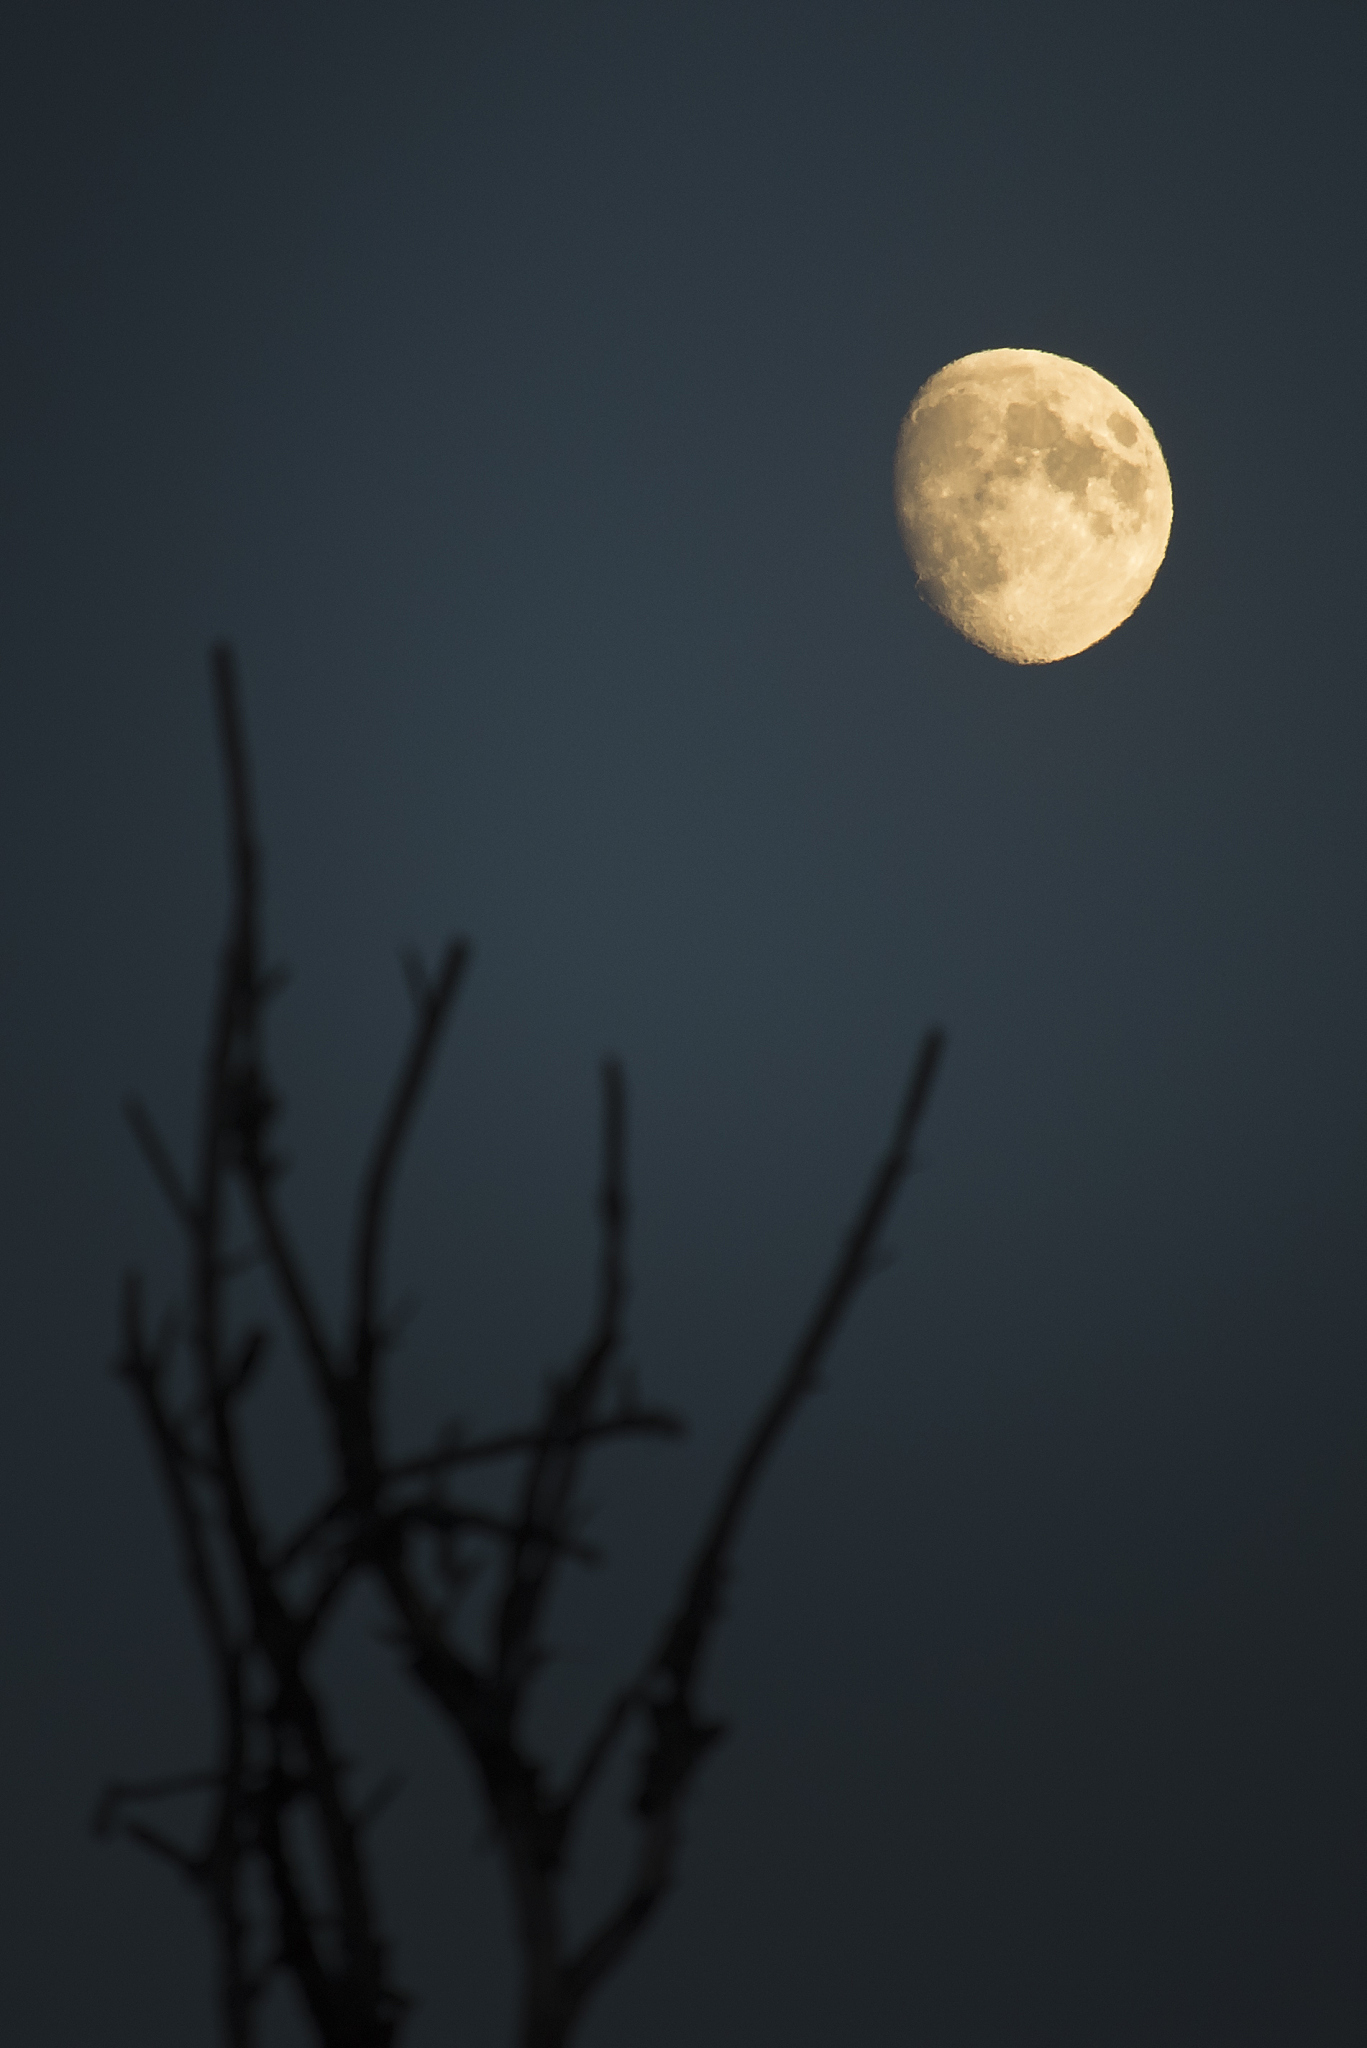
(553, 1465)
(280, 1779)
(682, 1640)
(158, 1156)
(433, 1009)
(517, 1442)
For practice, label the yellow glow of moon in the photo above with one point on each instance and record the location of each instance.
(1033, 500)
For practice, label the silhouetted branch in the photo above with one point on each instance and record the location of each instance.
(265, 1600)
(680, 1737)
(697, 1612)
(259, 1639)
(433, 1001)
(155, 1152)
(554, 1461)
(517, 1442)
(175, 1462)
(136, 1791)
(285, 1265)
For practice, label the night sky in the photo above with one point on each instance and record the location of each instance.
(517, 386)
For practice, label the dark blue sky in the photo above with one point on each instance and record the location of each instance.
(518, 387)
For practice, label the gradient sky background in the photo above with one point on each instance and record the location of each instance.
(518, 386)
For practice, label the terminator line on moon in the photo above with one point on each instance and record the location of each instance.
(1033, 501)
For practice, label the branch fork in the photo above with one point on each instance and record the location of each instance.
(264, 1602)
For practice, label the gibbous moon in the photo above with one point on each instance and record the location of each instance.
(1033, 500)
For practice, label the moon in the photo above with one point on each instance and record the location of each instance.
(1033, 501)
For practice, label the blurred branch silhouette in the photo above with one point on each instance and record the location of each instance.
(281, 1857)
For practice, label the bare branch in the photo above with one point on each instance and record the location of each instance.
(433, 1009)
(599, 1748)
(261, 1657)
(651, 1880)
(549, 1486)
(190, 1866)
(157, 1154)
(140, 1370)
(683, 1639)
(612, 1213)
(239, 1105)
(297, 1546)
(434, 1515)
(243, 848)
(517, 1442)
(288, 1272)
(283, 1835)
(133, 1791)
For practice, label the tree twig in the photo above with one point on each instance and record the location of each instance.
(264, 1601)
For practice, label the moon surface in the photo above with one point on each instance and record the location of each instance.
(1033, 501)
